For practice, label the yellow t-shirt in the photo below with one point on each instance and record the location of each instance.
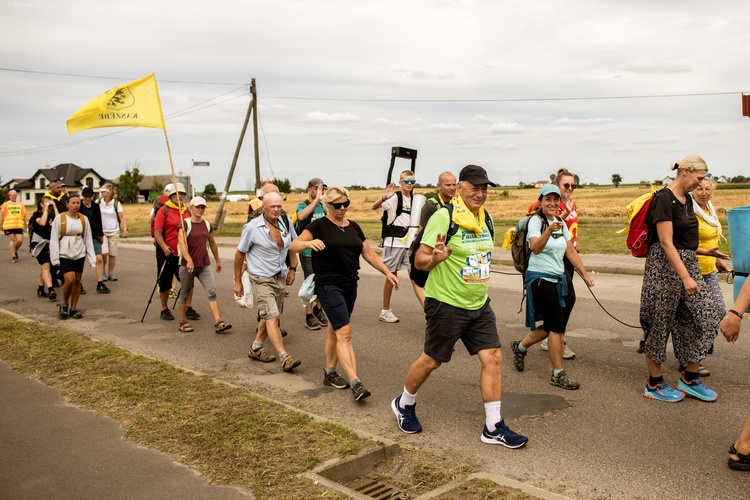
(708, 237)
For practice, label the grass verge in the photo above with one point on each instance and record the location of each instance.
(230, 436)
(227, 434)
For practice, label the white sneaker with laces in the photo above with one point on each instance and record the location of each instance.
(388, 317)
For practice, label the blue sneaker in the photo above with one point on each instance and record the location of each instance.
(662, 392)
(504, 436)
(697, 389)
(406, 417)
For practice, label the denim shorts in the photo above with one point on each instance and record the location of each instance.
(338, 302)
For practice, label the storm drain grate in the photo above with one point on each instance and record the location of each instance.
(378, 490)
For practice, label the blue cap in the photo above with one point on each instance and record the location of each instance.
(549, 189)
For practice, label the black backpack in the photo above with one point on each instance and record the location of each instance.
(519, 246)
(418, 276)
(389, 230)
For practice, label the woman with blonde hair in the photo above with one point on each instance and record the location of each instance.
(337, 245)
(113, 220)
(673, 297)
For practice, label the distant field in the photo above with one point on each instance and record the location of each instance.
(601, 211)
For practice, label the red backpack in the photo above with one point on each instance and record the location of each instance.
(637, 228)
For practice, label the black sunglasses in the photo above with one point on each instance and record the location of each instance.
(570, 186)
(337, 206)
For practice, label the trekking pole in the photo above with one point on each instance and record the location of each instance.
(175, 299)
(152, 291)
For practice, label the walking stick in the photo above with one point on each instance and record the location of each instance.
(175, 299)
(152, 291)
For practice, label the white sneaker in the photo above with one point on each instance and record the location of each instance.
(388, 317)
(568, 354)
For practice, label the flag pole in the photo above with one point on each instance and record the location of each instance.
(174, 177)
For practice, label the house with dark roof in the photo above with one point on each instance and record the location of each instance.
(74, 177)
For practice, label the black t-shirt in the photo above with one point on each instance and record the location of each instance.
(43, 231)
(94, 215)
(430, 207)
(666, 207)
(339, 261)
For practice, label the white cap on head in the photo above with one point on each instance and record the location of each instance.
(168, 187)
(180, 189)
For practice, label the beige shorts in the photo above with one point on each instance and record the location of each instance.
(109, 243)
(268, 293)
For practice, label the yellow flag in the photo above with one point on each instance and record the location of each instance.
(135, 104)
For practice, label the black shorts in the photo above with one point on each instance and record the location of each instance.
(447, 324)
(338, 302)
(72, 266)
(43, 257)
(8, 232)
(171, 270)
(306, 263)
(547, 303)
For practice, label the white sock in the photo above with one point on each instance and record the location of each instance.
(383, 311)
(256, 346)
(407, 399)
(492, 414)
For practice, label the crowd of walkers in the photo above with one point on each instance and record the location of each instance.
(680, 297)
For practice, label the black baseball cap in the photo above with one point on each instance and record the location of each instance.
(87, 191)
(476, 175)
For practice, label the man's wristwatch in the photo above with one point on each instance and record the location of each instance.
(293, 268)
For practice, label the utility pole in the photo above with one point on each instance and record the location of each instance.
(220, 215)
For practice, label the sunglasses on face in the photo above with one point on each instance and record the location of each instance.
(570, 186)
(410, 181)
(337, 206)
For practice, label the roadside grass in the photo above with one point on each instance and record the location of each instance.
(601, 213)
(230, 436)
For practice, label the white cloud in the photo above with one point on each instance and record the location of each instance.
(321, 117)
(507, 128)
(445, 126)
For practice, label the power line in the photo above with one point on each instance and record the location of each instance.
(520, 99)
(191, 109)
(355, 99)
(75, 75)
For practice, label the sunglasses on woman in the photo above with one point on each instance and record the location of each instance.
(337, 206)
(570, 186)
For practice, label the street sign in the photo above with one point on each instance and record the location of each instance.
(201, 164)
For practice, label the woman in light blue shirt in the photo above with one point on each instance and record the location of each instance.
(547, 285)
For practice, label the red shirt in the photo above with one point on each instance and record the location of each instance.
(169, 223)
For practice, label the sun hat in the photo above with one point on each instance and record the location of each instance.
(180, 188)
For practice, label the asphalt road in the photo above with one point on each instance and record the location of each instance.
(603, 441)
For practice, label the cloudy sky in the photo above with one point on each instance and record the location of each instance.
(515, 86)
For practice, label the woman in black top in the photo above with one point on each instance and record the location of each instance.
(337, 244)
(41, 227)
(671, 298)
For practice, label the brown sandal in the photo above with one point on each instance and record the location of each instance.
(185, 327)
(222, 326)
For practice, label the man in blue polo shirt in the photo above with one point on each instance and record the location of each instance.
(263, 246)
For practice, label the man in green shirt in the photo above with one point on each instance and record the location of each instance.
(457, 306)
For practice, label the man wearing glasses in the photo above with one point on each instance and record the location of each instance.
(397, 206)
